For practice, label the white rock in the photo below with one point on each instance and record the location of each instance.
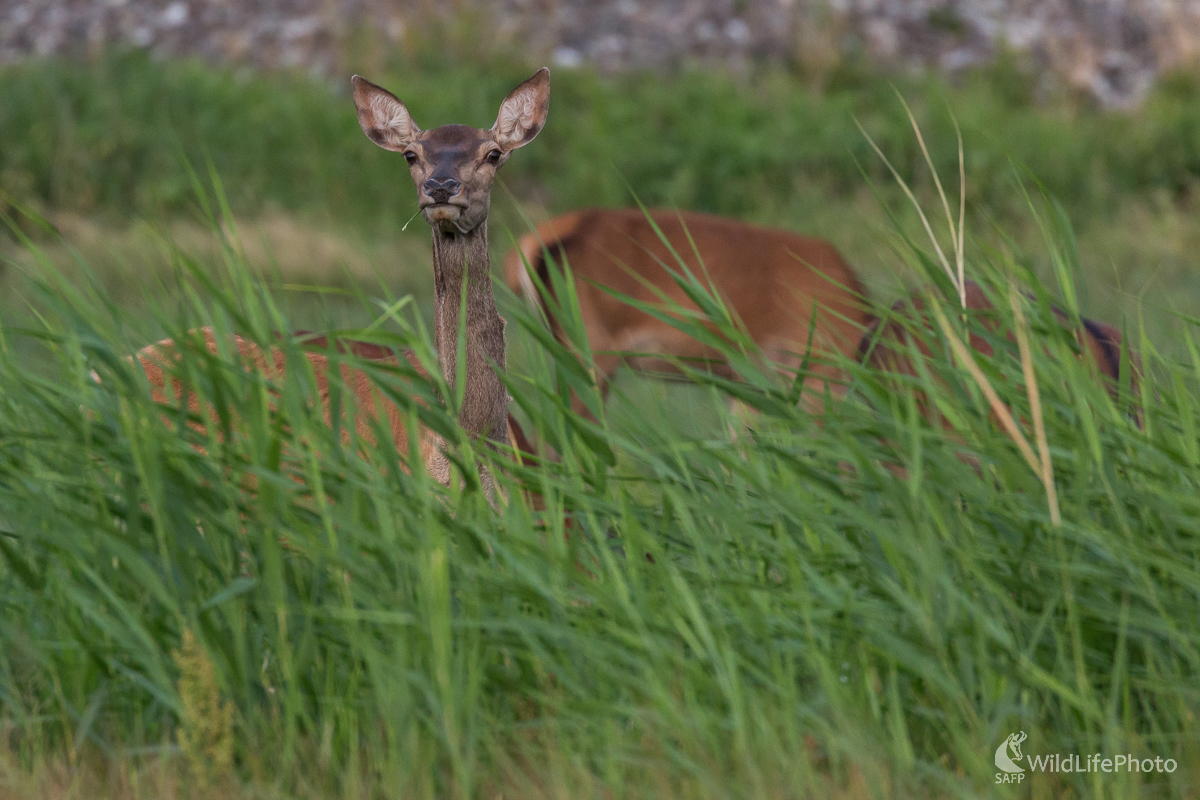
(175, 15)
(567, 57)
(737, 30)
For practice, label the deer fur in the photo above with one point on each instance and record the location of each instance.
(771, 280)
(363, 404)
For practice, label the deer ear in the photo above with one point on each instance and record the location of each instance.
(523, 112)
(383, 118)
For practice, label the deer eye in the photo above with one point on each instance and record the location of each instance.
(494, 157)
(410, 157)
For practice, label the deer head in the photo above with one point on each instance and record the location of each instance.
(453, 166)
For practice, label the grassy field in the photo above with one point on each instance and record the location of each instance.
(807, 624)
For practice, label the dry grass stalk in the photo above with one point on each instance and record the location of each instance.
(963, 354)
(957, 274)
(1035, 405)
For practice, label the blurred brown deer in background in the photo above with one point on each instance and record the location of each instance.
(774, 281)
(366, 402)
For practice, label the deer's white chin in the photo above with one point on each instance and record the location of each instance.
(449, 218)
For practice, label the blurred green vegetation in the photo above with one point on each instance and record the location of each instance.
(106, 137)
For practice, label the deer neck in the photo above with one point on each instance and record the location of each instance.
(461, 260)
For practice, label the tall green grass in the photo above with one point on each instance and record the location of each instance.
(679, 613)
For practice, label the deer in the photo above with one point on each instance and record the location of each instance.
(773, 280)
(453, 167)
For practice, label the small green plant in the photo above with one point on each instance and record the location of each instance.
(205, 733)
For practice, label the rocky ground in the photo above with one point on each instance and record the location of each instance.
(1113, 49)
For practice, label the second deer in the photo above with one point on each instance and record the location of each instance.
(774, 281)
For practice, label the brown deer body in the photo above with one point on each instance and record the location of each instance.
(364, 405)
(453, 167)
(769, 278)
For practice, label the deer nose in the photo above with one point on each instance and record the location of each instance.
(440, 190)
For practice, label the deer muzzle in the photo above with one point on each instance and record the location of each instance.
(441, 190)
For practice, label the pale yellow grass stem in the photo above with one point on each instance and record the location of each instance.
(956, 277)
(963, 354)
(1035, 405)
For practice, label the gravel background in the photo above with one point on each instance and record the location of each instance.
(1113, 49)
